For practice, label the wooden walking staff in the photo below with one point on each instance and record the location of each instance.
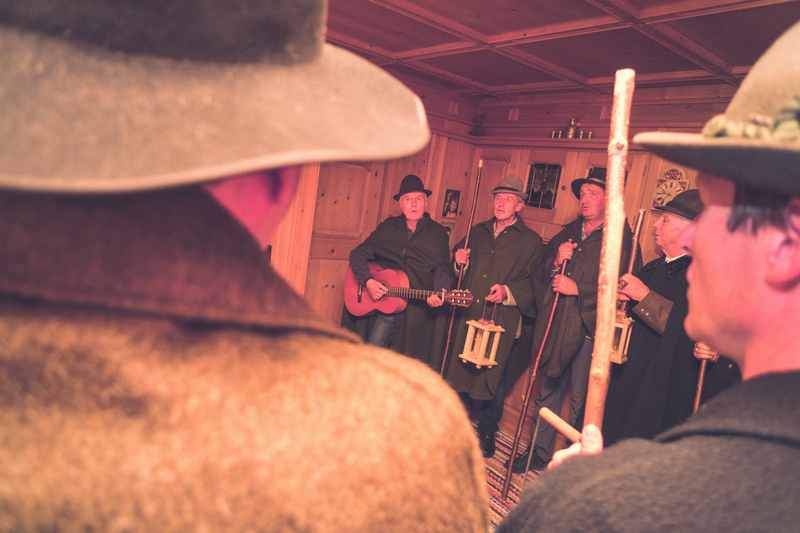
(701, 377)
(611, 252)
(461, 270)
(608, 278)
(526, 400)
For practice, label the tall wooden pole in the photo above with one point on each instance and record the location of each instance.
(526, 400)
(698, 394)
(611, 252)
(461, 270)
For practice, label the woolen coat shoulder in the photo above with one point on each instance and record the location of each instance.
(135, 421)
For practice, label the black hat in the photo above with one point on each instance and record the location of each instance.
(411, 183)
(686, 204)
(597, 176)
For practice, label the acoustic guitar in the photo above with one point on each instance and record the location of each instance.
(359, 303)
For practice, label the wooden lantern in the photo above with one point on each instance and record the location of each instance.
(622, 337)
(480, 333)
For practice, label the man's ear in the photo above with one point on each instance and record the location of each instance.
(258, 201)
(783, 261)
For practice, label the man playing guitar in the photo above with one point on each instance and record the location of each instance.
(417, 245)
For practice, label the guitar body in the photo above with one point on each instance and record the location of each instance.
(388, 304)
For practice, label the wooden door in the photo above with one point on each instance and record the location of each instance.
(348, 202)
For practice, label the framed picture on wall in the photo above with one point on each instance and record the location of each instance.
(543, 185)
(452, 200)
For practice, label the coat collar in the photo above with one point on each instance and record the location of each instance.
(762, 407)
(488, 225)
(173, 253)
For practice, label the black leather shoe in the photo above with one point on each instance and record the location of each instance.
(538, 464)
(487, 444)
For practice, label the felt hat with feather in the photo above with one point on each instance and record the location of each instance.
(108, 96)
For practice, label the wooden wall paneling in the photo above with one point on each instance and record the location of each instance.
(519, 163)
(292, 240)
(495, 167)
(576, 164)
(348, 202)
(433, 176)
(325, 291)
(458, 175)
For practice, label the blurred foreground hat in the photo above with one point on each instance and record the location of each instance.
(597, 176)
(411, 183)
(686, 204)
(115, 96)
(510, 185)
(756, 141)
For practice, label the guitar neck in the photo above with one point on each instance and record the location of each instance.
(408, 293)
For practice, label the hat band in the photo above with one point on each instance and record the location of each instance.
(783, 128)
(506, 189)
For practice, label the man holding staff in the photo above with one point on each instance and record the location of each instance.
(503, 252)
(654, 389)
(568, 351)
(734, 465)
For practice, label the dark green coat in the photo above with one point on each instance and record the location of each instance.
(576, 315)
(509, 260)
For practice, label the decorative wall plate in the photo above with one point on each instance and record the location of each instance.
(671, 183)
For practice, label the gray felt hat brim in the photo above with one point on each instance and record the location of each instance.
(757, 163)
(80, 119)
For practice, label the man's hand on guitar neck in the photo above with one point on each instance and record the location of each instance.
(376, 289)
(436, 299)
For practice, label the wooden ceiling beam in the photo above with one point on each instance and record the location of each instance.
(668, 38)
(542, 65)
(429, 18)
(366, 48)
(435, 20)
(440, 50)
(447, 75)
(700, 8)
(604, 82)
(561, 30)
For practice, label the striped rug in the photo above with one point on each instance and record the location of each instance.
(495, 473)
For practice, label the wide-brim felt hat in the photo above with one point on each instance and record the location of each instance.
(411, 183)
(756, 142)
(596, 176)
(510, 185)
(108, 96)
(687, 204)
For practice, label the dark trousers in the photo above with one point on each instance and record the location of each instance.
(551, 395)
(487, 413)
(383, 328)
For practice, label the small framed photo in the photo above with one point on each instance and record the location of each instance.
(452, 200)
